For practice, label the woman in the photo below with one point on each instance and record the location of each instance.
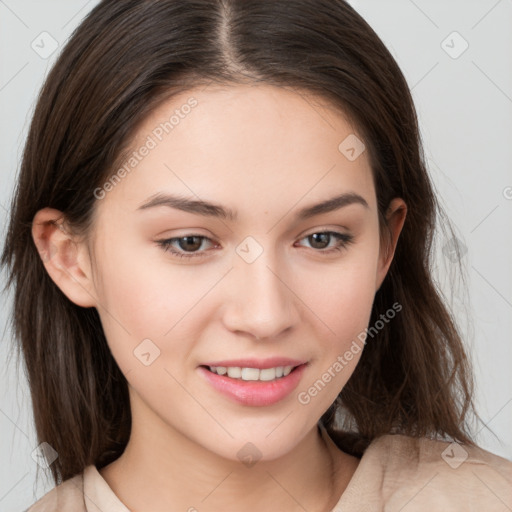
(220, 248)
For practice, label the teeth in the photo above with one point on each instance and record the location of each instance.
(234, 372)
(250, 374)
(267, 374)
(221, 370)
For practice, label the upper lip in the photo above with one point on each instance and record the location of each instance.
(271, 362)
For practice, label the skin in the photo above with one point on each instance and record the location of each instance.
(265, 152)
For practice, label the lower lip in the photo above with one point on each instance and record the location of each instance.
(253, 392)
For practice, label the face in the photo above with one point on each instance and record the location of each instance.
(260, 280)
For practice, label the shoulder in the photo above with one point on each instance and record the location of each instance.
(68, 496)
(421, 473)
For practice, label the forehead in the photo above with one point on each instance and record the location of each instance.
(243, 145)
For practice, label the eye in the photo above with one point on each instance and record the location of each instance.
(186, 243)
(188, 246)
(320, 239)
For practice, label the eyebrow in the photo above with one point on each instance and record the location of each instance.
(200, 207)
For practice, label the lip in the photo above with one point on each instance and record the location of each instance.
(254, 393)
(261, 364)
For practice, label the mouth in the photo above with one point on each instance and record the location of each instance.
(251, 386)
(252, 374)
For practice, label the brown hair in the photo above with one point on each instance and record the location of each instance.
(126, 58)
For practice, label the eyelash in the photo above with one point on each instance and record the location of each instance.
(343, 241)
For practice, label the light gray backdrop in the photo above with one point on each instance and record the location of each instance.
(457, 58)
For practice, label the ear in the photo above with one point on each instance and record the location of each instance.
(395, 218)
(65, 258)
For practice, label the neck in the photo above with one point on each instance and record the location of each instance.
(155, 473)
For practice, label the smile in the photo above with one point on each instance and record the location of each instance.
(255, 387)
(267, 374)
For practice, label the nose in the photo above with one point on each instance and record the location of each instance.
(262, 302)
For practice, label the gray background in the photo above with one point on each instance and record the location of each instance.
(464, 103)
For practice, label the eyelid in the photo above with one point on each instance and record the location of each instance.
(323, 229)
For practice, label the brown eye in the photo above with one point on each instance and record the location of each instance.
(318, 240)
(190, 243)
(184, 246)
(321, 240)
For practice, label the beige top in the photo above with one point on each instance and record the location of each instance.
(396, 473)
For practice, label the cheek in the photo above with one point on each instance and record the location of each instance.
(342, 295)
(146, 297)
(342, 302)
(136, 304)
(138, 289)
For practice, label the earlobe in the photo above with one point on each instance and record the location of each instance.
(64, 257)
(395, 217)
